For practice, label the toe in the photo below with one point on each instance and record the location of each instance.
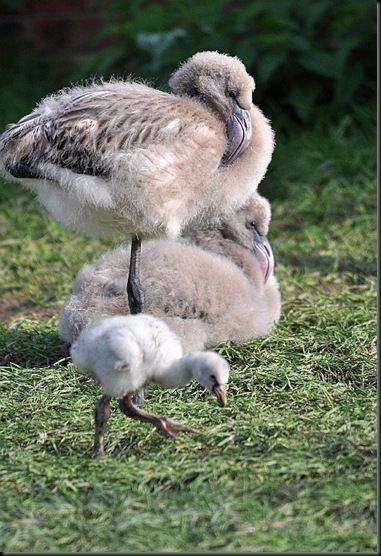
(171, 429)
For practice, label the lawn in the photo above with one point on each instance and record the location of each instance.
(288, 466)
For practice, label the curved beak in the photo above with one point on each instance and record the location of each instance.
(220, 392)
(239, 132)
(264, 254)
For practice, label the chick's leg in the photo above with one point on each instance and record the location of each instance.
(164, 425)
(101, 416)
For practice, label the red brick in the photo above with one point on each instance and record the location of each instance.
(84, 33)
(54, 7)
(97, 5)
(51, 34)
(70, 26)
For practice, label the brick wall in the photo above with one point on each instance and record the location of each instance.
(69, 26)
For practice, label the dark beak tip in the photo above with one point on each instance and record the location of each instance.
(265, 257)
(221, 395)
(239, 134)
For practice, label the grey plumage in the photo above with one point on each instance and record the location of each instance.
(208, 288)
(120, 158)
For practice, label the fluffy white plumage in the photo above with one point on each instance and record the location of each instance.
(125, 353)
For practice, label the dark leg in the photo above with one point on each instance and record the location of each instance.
(65, 350)
(164, 425)
(138, 397)
(134, 289)
(135, 294)
(102, 415)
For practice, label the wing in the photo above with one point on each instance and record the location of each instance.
(83, 129)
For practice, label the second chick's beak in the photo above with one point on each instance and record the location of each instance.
(219, 390)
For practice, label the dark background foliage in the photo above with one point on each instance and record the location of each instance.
(306, 56)
(311, 59)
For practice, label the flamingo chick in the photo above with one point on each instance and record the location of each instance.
(121, 159)
(125, 353)
(218, 284)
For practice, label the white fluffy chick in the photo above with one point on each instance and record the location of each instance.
(126, 353)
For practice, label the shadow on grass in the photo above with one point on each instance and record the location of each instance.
(29, 348)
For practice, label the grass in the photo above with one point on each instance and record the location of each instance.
(288, 466)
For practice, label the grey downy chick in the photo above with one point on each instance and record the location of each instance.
(123, 160)
(217, 285)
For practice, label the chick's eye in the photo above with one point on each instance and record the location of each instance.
(251, 224)
(231, 94)
(213, 377)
